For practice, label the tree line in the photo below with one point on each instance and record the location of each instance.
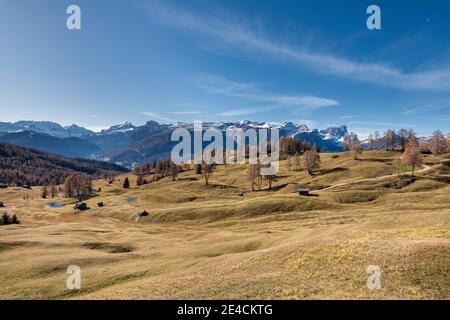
(22, 166)
(392, 140)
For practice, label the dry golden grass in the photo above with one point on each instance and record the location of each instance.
(211, 242)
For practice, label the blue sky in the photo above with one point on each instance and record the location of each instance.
(312, 62)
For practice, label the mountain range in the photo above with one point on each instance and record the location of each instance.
(126, 144)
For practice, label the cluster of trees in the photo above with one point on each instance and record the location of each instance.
(292, 146)
(51, 191)
(6, 219)
(390, 140)
(398, 140)
(255, 177)
(299, 154)
(206, 170)
(22, 166)
(78, 186)
(405, 141)
(309, 160)
(151, 172)
(158, 170)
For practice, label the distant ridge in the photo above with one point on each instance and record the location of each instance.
(68, 147)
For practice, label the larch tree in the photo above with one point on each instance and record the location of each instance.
(389, 139)
(376, 135)
(289, 163)
(207, 171)
(412, 155)
(140, 179)
(297, 162)
(351, 142)
(270, 179)
(356, 150)
(371, 141)
(403, 135)
(173, 171)
(253, 175)
(77, 186)
(53, 191)
(311, 161)
(438, 143)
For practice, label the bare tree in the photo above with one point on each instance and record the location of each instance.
(398, 162)
(356, 150)
(270, 179)
(140, 179)
(311, 161)
(173, 171)
(403, 135)
(351, 142)
(53, 191)
(289, 163)
(207, 171)
(438, 143)
(371, 141)
(252, 175)
(348, 142)
(297, 162)
(389, 139)
(376, 135)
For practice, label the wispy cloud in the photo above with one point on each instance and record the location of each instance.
(439, 105)
(226, 28)
(251, 91)
(347, 117)
(158, 116)
(382, 124)
(243, 112)
(183, 113)
(162, 116)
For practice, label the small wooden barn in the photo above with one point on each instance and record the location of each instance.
(303, 191)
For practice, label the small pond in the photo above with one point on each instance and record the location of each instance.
(132, 199)
(55, 205)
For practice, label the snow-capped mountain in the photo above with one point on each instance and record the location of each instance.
(120, 128)
(77, 131)
(45, 127)
(153, 140)
(334, 132)
(127, 144)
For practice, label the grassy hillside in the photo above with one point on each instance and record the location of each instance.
(224, 241)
